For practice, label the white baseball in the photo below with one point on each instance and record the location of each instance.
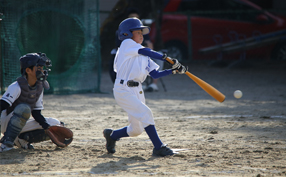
(237, 94)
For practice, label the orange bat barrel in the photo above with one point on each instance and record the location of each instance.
(205, 86)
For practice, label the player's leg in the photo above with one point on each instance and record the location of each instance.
(135, 128)
(34, 133)
(4, 121)
(21, 114)
(140, 118)
(160, 149)
(149, 125)
(112, 136)
(153, 135)
(134, 105)
(32, 124)
(128, 101)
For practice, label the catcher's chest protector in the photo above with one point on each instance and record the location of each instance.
(28, 95)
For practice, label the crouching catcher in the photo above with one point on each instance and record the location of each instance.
(24, 99)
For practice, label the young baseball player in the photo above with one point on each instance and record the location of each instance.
(22, 99)
(133, 64)
(131, 12)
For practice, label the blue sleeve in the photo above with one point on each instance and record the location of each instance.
(150, 53)
(157, 74)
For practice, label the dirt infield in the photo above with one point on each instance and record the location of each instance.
(239, 137)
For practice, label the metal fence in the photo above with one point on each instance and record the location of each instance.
(67, 31)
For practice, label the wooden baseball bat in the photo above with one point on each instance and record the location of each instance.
(205, 86)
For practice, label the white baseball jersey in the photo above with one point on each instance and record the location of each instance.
(130, 65)
(14, 91)
(12, 94)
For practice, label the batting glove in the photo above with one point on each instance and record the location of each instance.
(180, 70)
(176, 63)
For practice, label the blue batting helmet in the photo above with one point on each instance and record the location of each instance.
(131, 24)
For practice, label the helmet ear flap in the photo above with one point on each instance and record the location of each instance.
(124, 35)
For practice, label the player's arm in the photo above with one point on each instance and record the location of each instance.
(155, 55)
(40, 118)
(175, 69)
(151, 53)
(36, 113)
(11, 94)
(3, 105)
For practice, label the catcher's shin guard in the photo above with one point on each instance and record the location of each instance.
(35, 136)
(22, 113)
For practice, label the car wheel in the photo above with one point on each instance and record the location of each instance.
(176, 50)
(279, 52)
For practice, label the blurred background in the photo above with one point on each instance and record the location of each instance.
(203, 29)
(67, 31)
(79, 35)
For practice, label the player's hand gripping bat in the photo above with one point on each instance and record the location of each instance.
(205, 86)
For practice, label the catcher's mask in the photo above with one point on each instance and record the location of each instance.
(36, 59)
(131, 24)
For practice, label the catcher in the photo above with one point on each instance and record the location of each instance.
(24, 98)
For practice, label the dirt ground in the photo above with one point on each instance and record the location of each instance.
(239, 137)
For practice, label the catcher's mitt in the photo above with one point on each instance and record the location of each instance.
(59, 135)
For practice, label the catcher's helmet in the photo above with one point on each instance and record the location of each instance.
(128, 25)
(35, 59)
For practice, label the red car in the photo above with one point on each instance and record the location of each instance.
(221, 29)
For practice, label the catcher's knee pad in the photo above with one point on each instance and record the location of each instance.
(20, 116)
(34, 136)
(23, 111)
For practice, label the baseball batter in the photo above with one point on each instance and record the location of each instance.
(132, 64)
(22, 99)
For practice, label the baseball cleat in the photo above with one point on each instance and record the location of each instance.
(163, 151)
(4, 148)
(21, 143)
(110, 143)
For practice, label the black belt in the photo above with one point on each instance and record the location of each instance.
(130, 83)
